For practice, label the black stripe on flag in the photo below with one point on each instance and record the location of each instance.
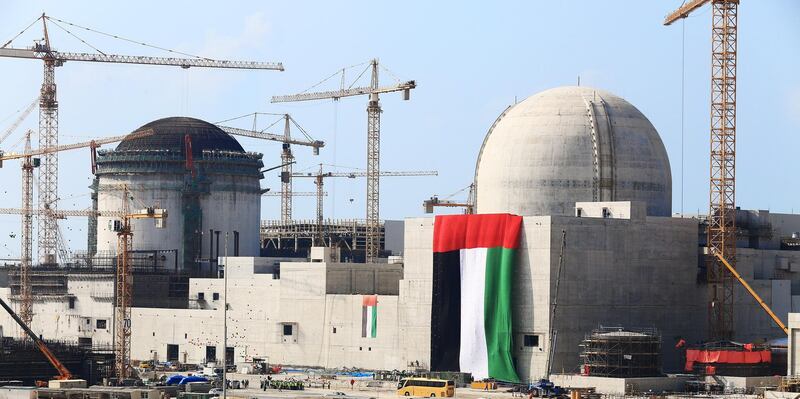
(446, 311)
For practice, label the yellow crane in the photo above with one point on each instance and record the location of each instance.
(721, 230)
(319, 180)
(468, 205)
(373, 140)
(48, 103)
(27, 211)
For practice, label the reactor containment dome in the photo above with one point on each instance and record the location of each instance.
(568, 145)
(213, 200)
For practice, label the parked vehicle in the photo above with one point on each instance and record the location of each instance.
(426, 387)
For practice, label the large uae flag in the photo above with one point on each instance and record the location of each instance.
(473, 259)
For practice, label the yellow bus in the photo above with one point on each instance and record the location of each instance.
(426, 387)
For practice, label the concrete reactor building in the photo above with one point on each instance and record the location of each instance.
(219, 196)
(571, 144)
(580, 165)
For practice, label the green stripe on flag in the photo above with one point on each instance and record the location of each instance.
(374, 311)
(497, 313)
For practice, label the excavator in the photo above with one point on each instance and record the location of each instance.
(63, 372)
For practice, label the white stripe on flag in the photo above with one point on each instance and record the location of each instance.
(473, 357)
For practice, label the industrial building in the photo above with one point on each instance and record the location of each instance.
(581, 165)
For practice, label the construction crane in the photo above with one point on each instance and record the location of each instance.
(319, 180)
(468, 205)
(287, 158)
(373, 142)
(27, 111)
(26, 253)
(27, 211)
(48, 104)
(721, 230)
(294, 194)
(63, 372)
(124, 286)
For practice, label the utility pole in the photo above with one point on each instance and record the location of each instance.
(225, 323)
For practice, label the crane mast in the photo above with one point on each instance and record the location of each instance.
(27, 211)
(373, 143)
(287, 159)
(373, 169)
(26, 296)
(721, 230)
(48, 113)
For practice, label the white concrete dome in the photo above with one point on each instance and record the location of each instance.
(571, 144)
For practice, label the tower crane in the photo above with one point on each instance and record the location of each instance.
(48, 104)
(373, 142)
(27, 211)
(319, 180)
(468, 205)
(123, 276)
(721, 230)
(287, 158)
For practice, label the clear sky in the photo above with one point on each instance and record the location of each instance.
(470, 60)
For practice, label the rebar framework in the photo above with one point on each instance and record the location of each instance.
(48, 174)
(722, 218)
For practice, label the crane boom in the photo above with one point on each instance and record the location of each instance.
(63, 372)
(684, 11)
(364, 174)
(19, 119)
(336, 94)
(752, 293)
(60, 213)
(270, 136)
(41, 53)
(65, 147)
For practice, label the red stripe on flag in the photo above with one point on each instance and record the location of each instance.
(369, 300)
(454, 232)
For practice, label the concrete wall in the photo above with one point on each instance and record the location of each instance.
(359, 278)
(793, 359)
(325, 328)
(621, 386)
(54, 318)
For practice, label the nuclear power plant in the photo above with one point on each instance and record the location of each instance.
(569, 268)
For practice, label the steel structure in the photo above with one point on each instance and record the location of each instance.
(436, 202)
(620, 352)
(287, 158)
(319, 178)
(26, 253)
(48, 110)
(123, 282)
(27, 211)
(373, 143)
(722, 195)
(63, 372)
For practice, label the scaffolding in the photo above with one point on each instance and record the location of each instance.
(621, 352)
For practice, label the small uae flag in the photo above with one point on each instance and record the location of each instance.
(473, 260)
(369, 316)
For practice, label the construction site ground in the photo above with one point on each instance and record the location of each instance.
(364, 388)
